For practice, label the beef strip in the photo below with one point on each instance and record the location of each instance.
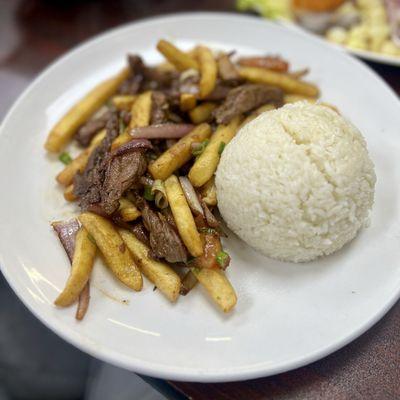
(245, 98)
(160, 108)
(133, 84)
(141, 233)
(88, 130)
(108, 175)
(121, 172)
(226, 69)
(164, 240)
(87, 186)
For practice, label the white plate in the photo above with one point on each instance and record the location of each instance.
(287, 315)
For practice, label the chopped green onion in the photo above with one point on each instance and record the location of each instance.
(65, 158)
(122, 126)
(221, 147)
(148, 195)
(91, 238)
(151, 155)
(210, 231)
(222, 258)
(199, 148)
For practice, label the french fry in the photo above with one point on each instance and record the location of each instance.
(208, 192)
(299, 74)
(179, 153)
(187, 101)
(62, 133)
(217, 286)
(293, 98)
(183, 216)
(165, 66)
(176, 57)
(206, 163)
(140, 116)
(285, 82)
(78, 164)
(208, 71)
(128, 210)
(69, 193)
(123, 102)
(189, 281)
(114, 250)
(83, 303)
(159, 273)
(82, 264)
(202, 113)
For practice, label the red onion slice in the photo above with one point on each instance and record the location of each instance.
(66, 231)
(191, 196)
(161, 131)
(209, 216)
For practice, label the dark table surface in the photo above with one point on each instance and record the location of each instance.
(33, 33)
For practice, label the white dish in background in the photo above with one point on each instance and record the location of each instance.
(364, 54)
(287, 315)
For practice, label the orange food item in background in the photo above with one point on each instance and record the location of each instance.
(317, 5)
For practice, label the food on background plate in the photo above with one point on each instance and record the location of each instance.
(303, 187)
(370, 25)
(152, 138)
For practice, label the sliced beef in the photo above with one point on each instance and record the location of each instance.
(160, 108)
(219, 93)
(133, 84)
(226, 69)
(88, 130)
(121, 173)
(141, 233)
(164, 240)
(108, 175)
(87, 186)
(158, 80)
(246, 98)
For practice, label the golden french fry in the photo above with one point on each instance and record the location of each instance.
(113, 248)
(165, 66)
(183, 216)
(140, 116)
(189, 281)
(178, 58)
(206, 163)
(179, 153)
(128, 210)
(78, 164)
(62, 133)
(82, 264)
(159, 273)
(69, 193)
(285, 82)
(83, 303)
(202, 113)
(123, 102)
(208, 192)
(208, 71)
(217, 286)
(293, 98)
(187, 101)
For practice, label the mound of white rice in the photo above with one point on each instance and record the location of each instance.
(296, 183)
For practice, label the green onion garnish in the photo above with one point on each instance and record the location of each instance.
(148, 195)
(210, 231)
(196, 151)
(65, 158)
(91, 238)
(222, 258)
(122, 126)
(221, 148)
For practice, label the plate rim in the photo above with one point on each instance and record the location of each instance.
(167, 371)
